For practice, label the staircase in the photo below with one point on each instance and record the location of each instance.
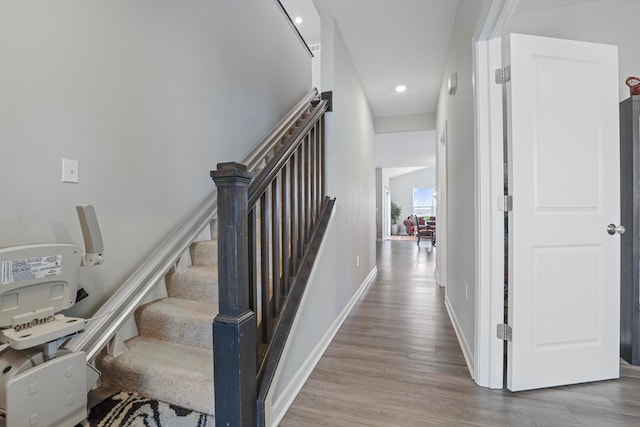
(172, 357)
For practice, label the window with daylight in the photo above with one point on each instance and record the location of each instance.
(423, 201)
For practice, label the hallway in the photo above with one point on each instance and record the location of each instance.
(396, 362)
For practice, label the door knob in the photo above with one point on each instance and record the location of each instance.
(613, 229)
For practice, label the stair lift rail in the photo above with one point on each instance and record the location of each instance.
(122, 304)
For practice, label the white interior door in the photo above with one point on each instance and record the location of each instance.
(563, 145)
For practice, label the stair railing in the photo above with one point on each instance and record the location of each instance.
(269, 232)
(124, 301)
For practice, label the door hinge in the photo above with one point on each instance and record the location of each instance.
(505, 203)
(503, 75)
(504, 332)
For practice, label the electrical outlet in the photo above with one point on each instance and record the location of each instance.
(466, 291)
(70, 171)
(357, 260)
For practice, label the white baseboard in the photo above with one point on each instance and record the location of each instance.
(466, 349)
(436, 275)
(281, 406)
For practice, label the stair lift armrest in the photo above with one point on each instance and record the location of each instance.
(91, 234)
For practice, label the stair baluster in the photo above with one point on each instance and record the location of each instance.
(271, 253)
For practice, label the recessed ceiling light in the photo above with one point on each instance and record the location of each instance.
(298, 20)
(401, 88)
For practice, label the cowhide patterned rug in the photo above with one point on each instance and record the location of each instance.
(128, 409)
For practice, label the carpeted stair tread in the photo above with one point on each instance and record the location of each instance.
(178, 320)
(197, 283)
(204, 253)
(178, 374)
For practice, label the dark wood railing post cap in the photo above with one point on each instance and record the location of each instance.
(231, 170)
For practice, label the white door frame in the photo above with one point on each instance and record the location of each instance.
(489, 185)
(440, 272)
(386, 220)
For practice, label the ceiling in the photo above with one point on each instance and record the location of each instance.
(391, 42)
(394, 42)
(527, 6)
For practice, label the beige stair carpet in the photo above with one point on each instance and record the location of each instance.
(172, 358)
(175, 373)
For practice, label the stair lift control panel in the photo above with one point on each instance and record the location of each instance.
(41, 384)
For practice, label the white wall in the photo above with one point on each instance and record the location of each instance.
(351, 179)
(405, 149)
(457, 111)
(380, 210)
(148, 96)
(415, 122)
(385, 188)
(602, 21)
(402, 190)
(316, 71)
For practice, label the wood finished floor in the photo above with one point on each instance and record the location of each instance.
(396, 362)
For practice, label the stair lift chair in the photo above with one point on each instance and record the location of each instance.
(41, 384)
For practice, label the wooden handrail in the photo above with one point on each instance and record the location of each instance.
(274, 166)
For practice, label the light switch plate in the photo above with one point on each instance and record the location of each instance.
(70, 171)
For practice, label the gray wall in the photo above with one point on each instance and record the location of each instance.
(460, 213)
(406, 149)
(148, 96)
(601, 21)
(351, 179)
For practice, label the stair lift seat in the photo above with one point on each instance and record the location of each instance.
(40, 385)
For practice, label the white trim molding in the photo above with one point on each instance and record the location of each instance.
(464, 344)
(489, 179)
(437, 277)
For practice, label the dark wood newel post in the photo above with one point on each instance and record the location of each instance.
(234, 328)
